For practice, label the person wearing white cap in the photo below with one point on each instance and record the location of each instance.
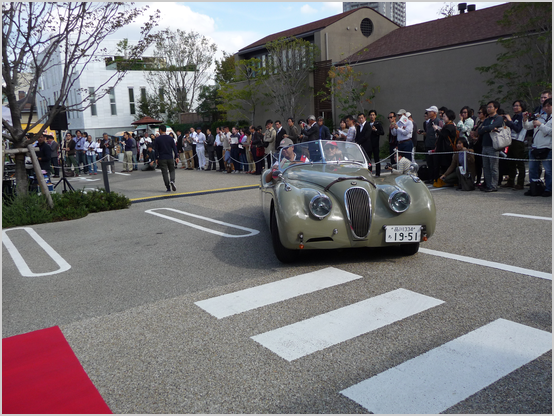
(403, 129)
(431, 142)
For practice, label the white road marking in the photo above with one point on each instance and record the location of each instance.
(256, 297)
(432, 188)
(306, 337)
(20, 262)
(121, 173)
(528, 216)
(446, 375)
(250, 231)
(487, 263)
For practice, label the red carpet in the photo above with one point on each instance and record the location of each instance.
(41, 374)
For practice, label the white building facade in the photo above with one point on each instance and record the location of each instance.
(110, 114)
(394, 10)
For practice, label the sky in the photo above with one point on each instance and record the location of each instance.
(234, 25)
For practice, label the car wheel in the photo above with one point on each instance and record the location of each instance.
(409, 249)
(283, 254)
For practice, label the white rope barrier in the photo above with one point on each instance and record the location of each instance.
(381, 161)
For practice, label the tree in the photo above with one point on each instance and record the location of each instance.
(288, 67)
(524, 69)
(182, 66)
(244, 95)
(225, 69)
(42, 37)
(447, 10)
(209, 102)
(148, 106)
(350, 90)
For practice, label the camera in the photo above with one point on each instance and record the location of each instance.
(532, 117)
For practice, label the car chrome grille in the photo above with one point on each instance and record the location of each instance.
(358, 210)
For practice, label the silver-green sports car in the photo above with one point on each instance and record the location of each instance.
(322, 195)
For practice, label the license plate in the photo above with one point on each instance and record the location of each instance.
(402, 233)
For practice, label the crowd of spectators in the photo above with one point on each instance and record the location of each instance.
(450, 144)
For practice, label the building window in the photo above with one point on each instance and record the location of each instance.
(143, 94)
(132, 100)
(92, 99)
(366, 27)
(112, 101)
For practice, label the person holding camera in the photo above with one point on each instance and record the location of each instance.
(490, 154)
(149, 158)
(517, 148)
(541, 149)
(310, 130)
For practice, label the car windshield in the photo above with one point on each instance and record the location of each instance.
(322, 151)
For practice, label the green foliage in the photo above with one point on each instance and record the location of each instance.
(148, 107)
(25, 210)
(352, 93)
(33, 209)
(244, 99)
(225, 69)
(524, 69)
(209, 101)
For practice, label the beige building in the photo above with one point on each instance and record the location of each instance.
(336, 37)
(432, 63)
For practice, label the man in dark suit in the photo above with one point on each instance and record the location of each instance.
(372, 145)
(324, 133)
(280, 134)
(363, 132)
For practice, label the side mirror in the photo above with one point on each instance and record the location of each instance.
(276, 174)
(414, 167)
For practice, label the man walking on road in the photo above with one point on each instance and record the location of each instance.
(165, 149)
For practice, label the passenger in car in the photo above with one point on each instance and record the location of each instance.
(332, 152)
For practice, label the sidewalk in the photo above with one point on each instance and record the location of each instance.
(149, 185)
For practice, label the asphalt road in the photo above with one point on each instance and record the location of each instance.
(128, 303)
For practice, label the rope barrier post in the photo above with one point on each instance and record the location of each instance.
(105, 165)
(396, 154)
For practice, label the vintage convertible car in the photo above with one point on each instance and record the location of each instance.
(321, 195)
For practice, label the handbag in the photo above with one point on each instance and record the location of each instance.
(501, 138)
(260, 152)
(465, 180)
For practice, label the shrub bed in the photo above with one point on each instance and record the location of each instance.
(33, 209)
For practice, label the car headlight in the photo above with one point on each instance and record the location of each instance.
(320, 206)
(399, 201)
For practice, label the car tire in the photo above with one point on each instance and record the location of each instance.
(409, 249)
(283, 254)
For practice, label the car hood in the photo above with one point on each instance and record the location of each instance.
(322, 175)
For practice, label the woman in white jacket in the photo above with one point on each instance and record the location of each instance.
(465, 124)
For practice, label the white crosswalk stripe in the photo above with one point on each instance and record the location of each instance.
(256, 297)
(306, 337)
(446, 375)
(429, 383)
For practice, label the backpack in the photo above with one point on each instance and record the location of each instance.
(423, 173)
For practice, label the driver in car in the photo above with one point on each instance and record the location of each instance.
(289, 156)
